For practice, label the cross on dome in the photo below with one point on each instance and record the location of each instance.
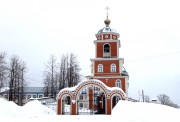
(107, 21)
(107, 8)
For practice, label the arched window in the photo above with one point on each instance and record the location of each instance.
(100, 68)
(118, 83)
(113, 67)
(106, 50)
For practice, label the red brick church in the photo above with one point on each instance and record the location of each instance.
(105, 87)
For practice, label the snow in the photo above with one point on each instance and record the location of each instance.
(95, 80)
(35, 108)
(145, 112)
(124, 111)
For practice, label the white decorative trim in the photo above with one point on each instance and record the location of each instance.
(119, 43)
(110, 77)
(108, 40)
(113, 68)
(96, 49)
(103, 59)
(117, 49)
(120, 67)
(100, 68)
(106, 36)
(111, 73)
(73, 101)
(120, 83)
(114, 33)
(61, 98)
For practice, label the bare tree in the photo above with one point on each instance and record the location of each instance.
(73, 71)
(16, 70)
(13, 77)
(164, 99)
(67, 74)
(47, 82)
(62, 72)
(2, 69)
(51, 69)
(21, 82)
(146, 98)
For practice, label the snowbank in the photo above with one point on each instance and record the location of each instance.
(145, 112)
(35, 108)
(31, 109)
(9, 109)
(124, 111)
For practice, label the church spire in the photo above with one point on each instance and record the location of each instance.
(107, 21)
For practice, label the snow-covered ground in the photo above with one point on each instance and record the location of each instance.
(124, 111)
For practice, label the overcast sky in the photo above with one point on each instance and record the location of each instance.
(149, 33)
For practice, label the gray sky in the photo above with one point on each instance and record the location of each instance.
(149, 33)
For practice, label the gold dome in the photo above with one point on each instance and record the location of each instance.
(107, 21)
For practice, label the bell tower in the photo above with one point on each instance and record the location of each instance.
(107, 66)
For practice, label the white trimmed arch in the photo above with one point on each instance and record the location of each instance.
(74, 93)
(63, 104)
(89, 83)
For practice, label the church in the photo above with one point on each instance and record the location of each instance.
(107, 84)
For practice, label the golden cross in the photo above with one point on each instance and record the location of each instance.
(107, 9)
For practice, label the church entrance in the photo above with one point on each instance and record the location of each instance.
(88, 98)
(91, 100)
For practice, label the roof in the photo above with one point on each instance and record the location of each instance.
(106, 29)
(34, 90)
(30, 90)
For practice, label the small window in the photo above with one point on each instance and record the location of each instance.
(40, 96)
(113, 67)
(100, 68)
(29, 96)
(34, 96)
(118, 83)
(81, 97)
(24, 96)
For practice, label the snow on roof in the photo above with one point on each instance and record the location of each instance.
(95, 80)
(106, 29)
(4, 89)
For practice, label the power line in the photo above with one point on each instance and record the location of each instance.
(32, 79)
(151, 57)
(134, 60)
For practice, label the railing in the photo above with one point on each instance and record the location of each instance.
(107, 54)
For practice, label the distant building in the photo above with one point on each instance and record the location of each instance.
(132, 100)
(29, 93)
(154, 100)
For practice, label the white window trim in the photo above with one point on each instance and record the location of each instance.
(113, 67)
(100, 68)
(118, 84)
